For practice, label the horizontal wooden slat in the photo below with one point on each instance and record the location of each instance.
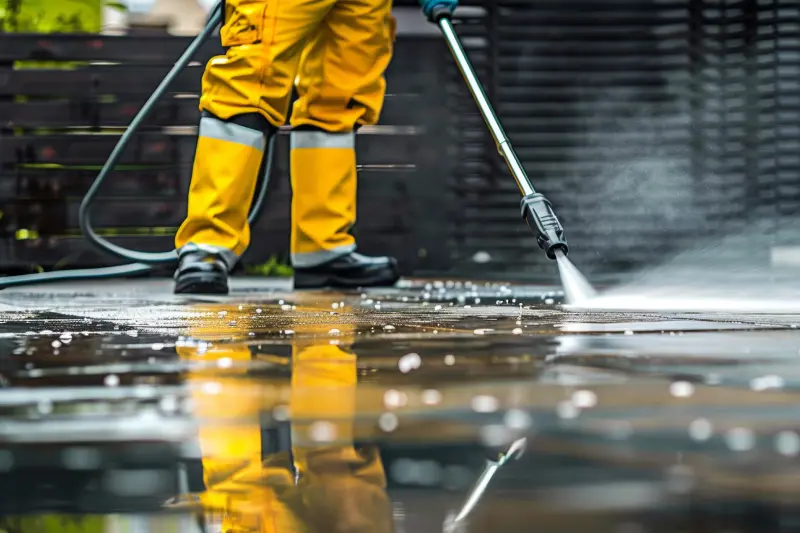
(66, 182)
(48, 251)
(144, 148)
(99, 80)
(398, 109)
(91, 113)
(141, 80)
(92, 47)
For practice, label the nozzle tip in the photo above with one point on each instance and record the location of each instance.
(557, 250)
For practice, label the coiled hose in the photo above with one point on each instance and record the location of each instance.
(143, 262)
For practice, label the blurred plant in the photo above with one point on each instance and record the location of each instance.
(9, 16)
(272, 268)
(20, 16)
(47, 523)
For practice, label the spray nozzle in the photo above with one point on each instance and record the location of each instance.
(538, 213)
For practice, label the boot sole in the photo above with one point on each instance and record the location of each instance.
(201, 283)
(321, 281)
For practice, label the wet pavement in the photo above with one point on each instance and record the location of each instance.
(125, 407)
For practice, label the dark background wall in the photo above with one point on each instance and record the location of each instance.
(654, 127)
(651, 125)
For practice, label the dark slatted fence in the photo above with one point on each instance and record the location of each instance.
(650, 124)
(590, 96)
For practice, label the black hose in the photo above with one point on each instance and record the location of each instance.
(143, 261)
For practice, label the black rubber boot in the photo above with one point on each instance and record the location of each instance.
(201, 273)
(349, 271)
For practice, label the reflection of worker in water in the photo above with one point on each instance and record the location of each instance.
(335, 53)
(322, 482)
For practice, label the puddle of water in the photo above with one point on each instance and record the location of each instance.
(326, 410)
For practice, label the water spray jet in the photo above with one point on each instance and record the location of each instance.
(577, 289)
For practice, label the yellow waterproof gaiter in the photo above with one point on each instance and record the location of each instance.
(224, 176)
(323, 169)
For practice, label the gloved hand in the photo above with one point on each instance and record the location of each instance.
(433, 7)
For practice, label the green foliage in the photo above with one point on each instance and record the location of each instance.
(53, 16)
(272, 268)
(52, 524)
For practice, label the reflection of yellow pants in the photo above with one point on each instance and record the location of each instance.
(335, 53)
(324, 484)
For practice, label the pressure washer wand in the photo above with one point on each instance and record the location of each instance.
(536, 209)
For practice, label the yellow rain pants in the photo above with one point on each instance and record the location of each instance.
(335, 53)
(323, 484)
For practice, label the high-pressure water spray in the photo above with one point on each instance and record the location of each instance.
(536, 209)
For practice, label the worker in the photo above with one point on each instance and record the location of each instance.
(317, 480)
(335, 53)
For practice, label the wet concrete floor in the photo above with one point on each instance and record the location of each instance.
(124, 407)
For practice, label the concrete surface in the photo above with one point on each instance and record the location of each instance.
(630, 418)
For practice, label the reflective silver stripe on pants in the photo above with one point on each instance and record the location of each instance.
(214, 128)
(227, 256)
(312, 259)
(322, 139)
